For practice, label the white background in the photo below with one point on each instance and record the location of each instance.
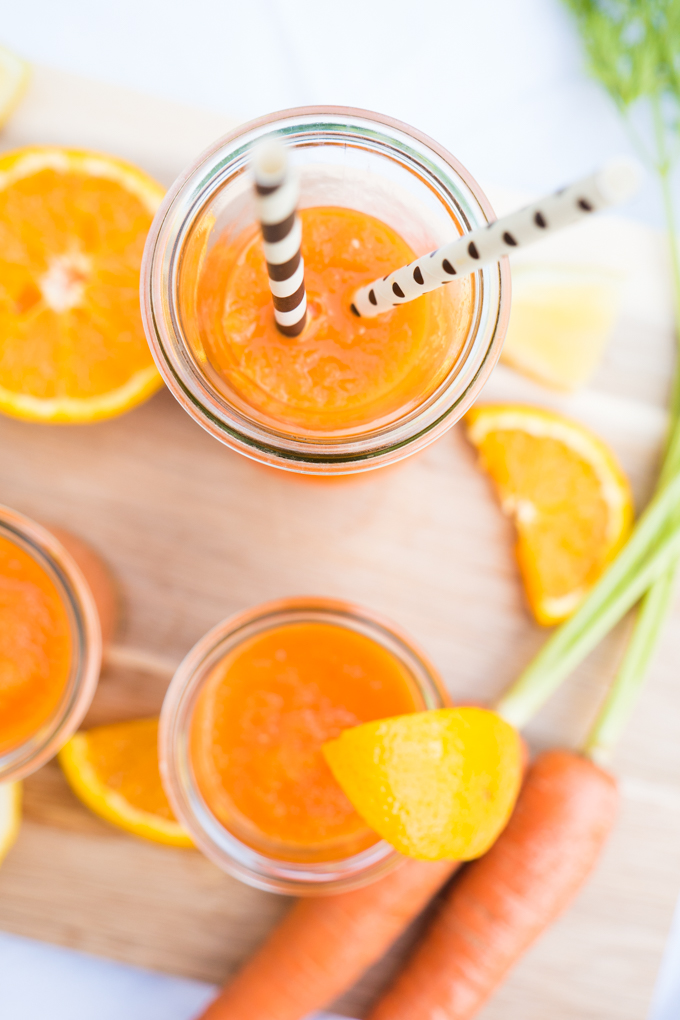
(500, 83)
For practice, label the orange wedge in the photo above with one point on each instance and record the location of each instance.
(564, 489)
(437, 785)
(114, 771)
(72, 232)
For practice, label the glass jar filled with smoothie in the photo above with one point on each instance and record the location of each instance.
(241, 732)
(348, 394)
(50, 645)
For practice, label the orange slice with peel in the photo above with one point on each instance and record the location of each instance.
(436, 785)
(72, 231)
(566, 493)
(114, 771)
(10, 815)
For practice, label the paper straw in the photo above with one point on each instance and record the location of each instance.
(614, 183)
(276, 195)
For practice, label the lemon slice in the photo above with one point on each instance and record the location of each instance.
(10, 815)
(14, 77)
(114, 771)
(436, 785)
(569, 499)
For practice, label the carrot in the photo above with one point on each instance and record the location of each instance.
(502, 902)
(325, 944)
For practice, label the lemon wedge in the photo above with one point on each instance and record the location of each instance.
(561, 320)
(10, 815)
(437, 785)
(14, 76)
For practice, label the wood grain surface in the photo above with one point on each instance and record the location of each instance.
(193, 533)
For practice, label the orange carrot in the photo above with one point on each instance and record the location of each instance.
(325, 944)
(504, 900)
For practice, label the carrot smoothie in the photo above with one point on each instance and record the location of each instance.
(35, 646)
(259, 724)
(342, 372)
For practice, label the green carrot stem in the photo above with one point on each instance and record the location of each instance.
(536, 683)
(623, 693)
(539, 680)
(655, 607)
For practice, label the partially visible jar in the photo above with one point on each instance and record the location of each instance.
(232, 842)
(348, 158)
(40, 571)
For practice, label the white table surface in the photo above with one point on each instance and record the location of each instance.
(500, 84)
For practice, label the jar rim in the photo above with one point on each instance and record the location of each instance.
(86, 642)
(226, 850)
(359, 451)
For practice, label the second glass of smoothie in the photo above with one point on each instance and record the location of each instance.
(241, 734)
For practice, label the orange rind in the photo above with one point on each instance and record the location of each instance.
(436, 785)
(566, 493)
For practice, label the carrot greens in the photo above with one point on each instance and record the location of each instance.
(633, 50)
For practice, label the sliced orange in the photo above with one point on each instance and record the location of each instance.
(564, 489)
(10, 815)
(114, 771)
(437, 785)
(72, 232)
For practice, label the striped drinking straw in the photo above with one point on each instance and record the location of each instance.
(276, 194)
(614, 183)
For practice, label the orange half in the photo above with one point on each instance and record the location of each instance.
(566, 493)
(72, 231)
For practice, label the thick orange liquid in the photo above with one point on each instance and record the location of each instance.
(259, 725)
(342, 372)
(35, 646)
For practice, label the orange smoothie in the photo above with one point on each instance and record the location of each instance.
(259, 724)
(35, 646)
(341, 373)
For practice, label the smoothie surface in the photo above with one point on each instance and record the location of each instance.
(342, 372)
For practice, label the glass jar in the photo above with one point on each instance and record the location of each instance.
(253, 866)
(86, 644)
(345, 157)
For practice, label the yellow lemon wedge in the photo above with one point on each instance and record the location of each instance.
(436, 785)
(566, 493)
(114, 771)
(10, 815)
(561, 320)
(14, 77)
(72, 229)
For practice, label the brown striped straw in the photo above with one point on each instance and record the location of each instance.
(276, 195)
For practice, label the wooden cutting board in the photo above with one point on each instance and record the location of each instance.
(194, 533)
